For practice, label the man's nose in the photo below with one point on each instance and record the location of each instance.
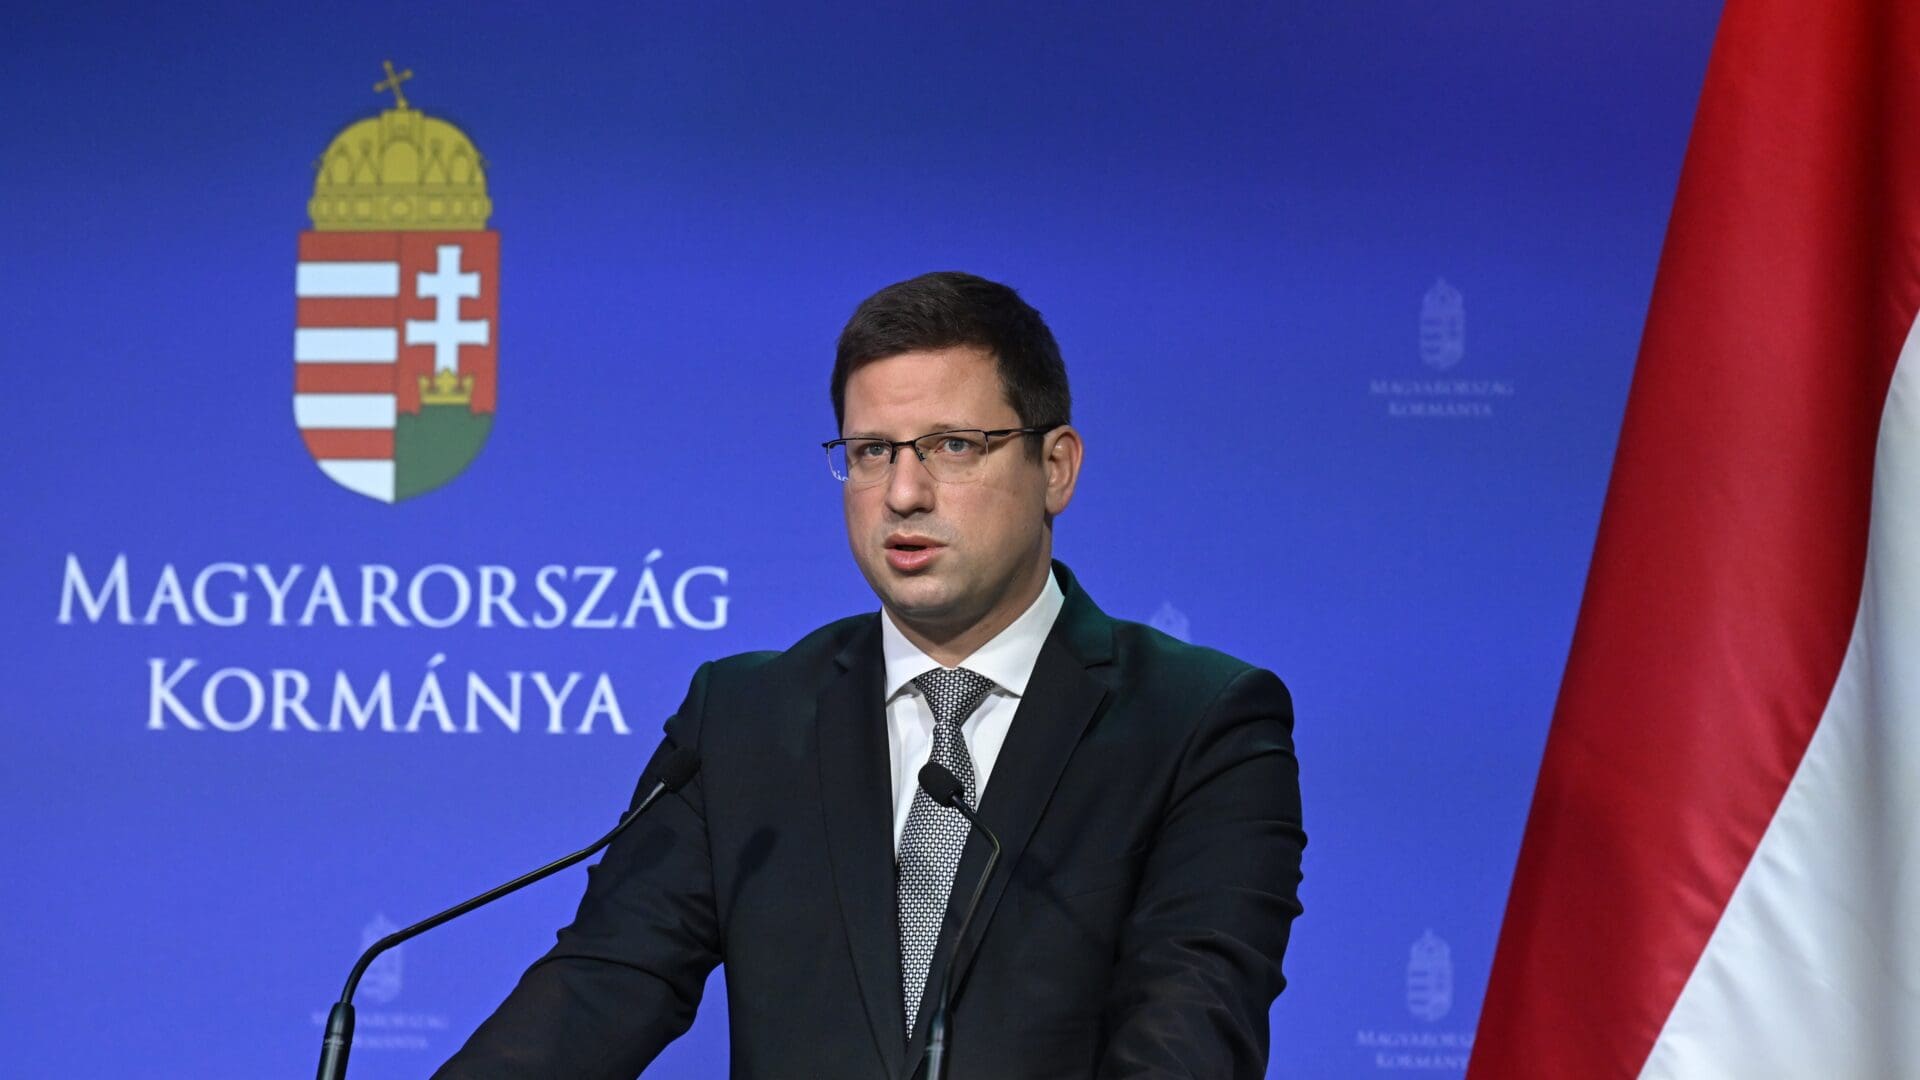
(909, 485)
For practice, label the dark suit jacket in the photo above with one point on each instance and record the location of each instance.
(1148, 800)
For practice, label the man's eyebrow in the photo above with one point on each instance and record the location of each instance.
(945, 425)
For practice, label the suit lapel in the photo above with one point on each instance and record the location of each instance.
(1062, 698)
(857, 800)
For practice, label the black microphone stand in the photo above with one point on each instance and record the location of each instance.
(338, 1039)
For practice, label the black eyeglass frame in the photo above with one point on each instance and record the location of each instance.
(893, 448)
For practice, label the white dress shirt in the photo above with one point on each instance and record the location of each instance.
(1008, 660)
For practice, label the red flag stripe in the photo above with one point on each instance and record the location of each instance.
(349, 444)
(345, 311)
(1727, 570)
(343, 378)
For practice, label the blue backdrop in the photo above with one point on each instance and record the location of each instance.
(1302, 449)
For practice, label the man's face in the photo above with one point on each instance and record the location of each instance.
(945, 557)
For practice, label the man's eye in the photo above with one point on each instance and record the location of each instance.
(868, 450)
(957, 446)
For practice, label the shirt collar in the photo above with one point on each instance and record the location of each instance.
(1008, 659)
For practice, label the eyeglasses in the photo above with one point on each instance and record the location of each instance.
(951, 457)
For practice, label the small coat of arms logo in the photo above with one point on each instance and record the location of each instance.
(381, 981)
(1172, 622)
(396, 339)
(1443, 326)
(1430, 978)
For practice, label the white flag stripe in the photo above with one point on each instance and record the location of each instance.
(1810, 971)
(343, 410)
(346, 345)
(374, 478)
(334, 279)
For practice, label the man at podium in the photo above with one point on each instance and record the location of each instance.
(1144, 792)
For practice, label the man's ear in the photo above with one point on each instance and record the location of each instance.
(1060, 453)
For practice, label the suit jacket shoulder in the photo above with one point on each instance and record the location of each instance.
(1168, 681)
(801, 662)
(750, 685)
(1167, 657)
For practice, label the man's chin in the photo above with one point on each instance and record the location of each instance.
(919, 598)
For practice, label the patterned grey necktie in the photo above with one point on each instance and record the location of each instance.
(930, 845)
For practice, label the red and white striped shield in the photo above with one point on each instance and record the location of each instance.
(396, 355)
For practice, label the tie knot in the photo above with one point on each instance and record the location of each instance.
(954, 693)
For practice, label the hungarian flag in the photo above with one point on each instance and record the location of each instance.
(1721, 871)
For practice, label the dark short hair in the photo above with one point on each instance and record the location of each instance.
(947, 309)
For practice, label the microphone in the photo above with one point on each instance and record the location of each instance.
(944, 788)
(670, 773)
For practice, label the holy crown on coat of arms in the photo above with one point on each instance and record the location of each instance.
(401, 169)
